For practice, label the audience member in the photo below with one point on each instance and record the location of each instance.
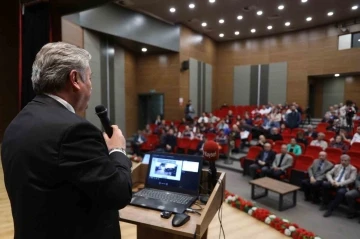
(351, 197)
(261, 141)
(203, 119)
(282, 128)
(338, 143)
(263, 162)
(310, 132)
(189, 112)
(169, 142)
(300, 138)
(200, 147)
(222, 125)
(294, 148)
(282, 162)
(293, 119)
(198, 135)
(244, 136)
(211, 129)
(138, 140)
(320, 141)
(213, 119)
(275, 136)
(187, 133)
(158, 120)
(356, 137)
(275, 118)
(317, 175)
(248, 120)
(148, 130)
(202, 128)
(339, 179)
(221, 138)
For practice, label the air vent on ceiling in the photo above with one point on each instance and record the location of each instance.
(249, 8)
(125, 2)
(273, 17)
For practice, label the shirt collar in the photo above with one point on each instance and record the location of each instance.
(63, 102)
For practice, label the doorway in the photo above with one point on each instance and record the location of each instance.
(150, 106)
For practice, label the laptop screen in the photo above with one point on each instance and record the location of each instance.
(175, 172)
(146, 159)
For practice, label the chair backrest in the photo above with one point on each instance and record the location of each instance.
(303, 162)
(183, 143)
(321, 127)
(329, 135)
(313, 151)
(210, 136)
(333, 154)
(194, 144)
(295, 131)
(355, 146)
(354, 155)
(287, 138)
(253, 152)
(303, 148)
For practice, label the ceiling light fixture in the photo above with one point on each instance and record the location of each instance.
(239, 17)
(259, 13)
(269, 27)
(330, 14)
(204, 24)
(287, 24)
(172, 9)
(221, 35)
(191, 5)
(221, 21)
(237, 33)
(281, 7)
(358, 39)
(253, 30)
(144, 49)
(337, 75)
(354, 7)
(211, 1)
(308, 19)
(303, 1)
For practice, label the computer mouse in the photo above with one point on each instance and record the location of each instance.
(180, 219)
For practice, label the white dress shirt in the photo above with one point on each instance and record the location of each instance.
(356, 138)
(63, 102)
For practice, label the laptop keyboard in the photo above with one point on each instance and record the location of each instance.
(164, 196)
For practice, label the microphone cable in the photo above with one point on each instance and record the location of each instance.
(220, 211)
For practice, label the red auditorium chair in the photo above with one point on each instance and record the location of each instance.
(182, 128)
(210, 136)
(193, 145)
(329, 135)
(277, 146)
(247, 160)
(333, 155)
(322, 127)
(271, 141)
(313, 151)
(299, 171)
(183, 144)
(355, 147)
(295, 131)
(153, 128)
(287, 138)
(286, 131)
(354, 155)
(303, 147)
(151, 142)
(224, 149)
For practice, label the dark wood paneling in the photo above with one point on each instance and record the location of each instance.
(352, 89)
(308, 52)
(131, 104)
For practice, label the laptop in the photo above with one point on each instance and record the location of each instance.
(172, 183)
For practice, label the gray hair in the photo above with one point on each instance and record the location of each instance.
(53, 64)
(345, 156)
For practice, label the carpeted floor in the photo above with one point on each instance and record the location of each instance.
(305, 214)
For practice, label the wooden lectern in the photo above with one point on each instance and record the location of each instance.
(151, 226)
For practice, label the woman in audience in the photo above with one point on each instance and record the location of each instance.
(177, 134)
(202, 128)
(148, 130)
(188, 133)
(338, 143)
(282, 128)
(262, 141)
(294, 148)
(275, 118)
(300, 138)
(248, 119)
(198, 134)
(158, 120)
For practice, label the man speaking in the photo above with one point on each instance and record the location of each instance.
(64, 178)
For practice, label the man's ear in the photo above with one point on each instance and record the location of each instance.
(74, 80)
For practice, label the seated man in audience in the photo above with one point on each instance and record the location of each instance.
(187, 133)
(282, 162)
(248, 119)
(244, 136)
(310, 132)
(275, 136)
(300, 138)
(169, 141)
(221, 138)
(202, 128)
(293, 118)
(213, 119)
(222, 125)
(263, 162)
(294, 148)
(139, 139)
(203, 119)
(320, 141)
(356, 137)
(317, 175)
(339, 178)
(262, 141)
(338, 143)
(351, 197)
(211, 129)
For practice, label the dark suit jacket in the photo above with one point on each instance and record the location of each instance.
(269, 160)
(61, 180)
(170, 140)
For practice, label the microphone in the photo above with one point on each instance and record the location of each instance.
(211, 154)
(102, 113)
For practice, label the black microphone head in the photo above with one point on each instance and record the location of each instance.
(100, 109)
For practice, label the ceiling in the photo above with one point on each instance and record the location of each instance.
(295, 12)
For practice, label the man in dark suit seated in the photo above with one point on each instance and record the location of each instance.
(282, 162)
(139, 139)
(339, 178)
(275, 136)
(311, 132)
(263, 162)
(351, 197)
(64, 177)
(317, 174)
(169, 142)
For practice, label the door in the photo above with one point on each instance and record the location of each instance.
(150, 106)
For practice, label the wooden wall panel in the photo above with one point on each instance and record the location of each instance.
(308, 52)
(131, 100)
(72, 33)
(352, 89)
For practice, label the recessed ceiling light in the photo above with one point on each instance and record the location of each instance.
(269, 27)
(239, 17)
(259, 13)
(253, 30)
(354, 7)
(172, 9)
(237, 33)
(221, 35)
(308, 19)
(287, 24)
(204, 24)
(144, 49)
(304, 0)
(358, 39)
(191, 5)
(221, 21)
(337, 75)
(211, 1)
(281, 7)
(330, 13)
